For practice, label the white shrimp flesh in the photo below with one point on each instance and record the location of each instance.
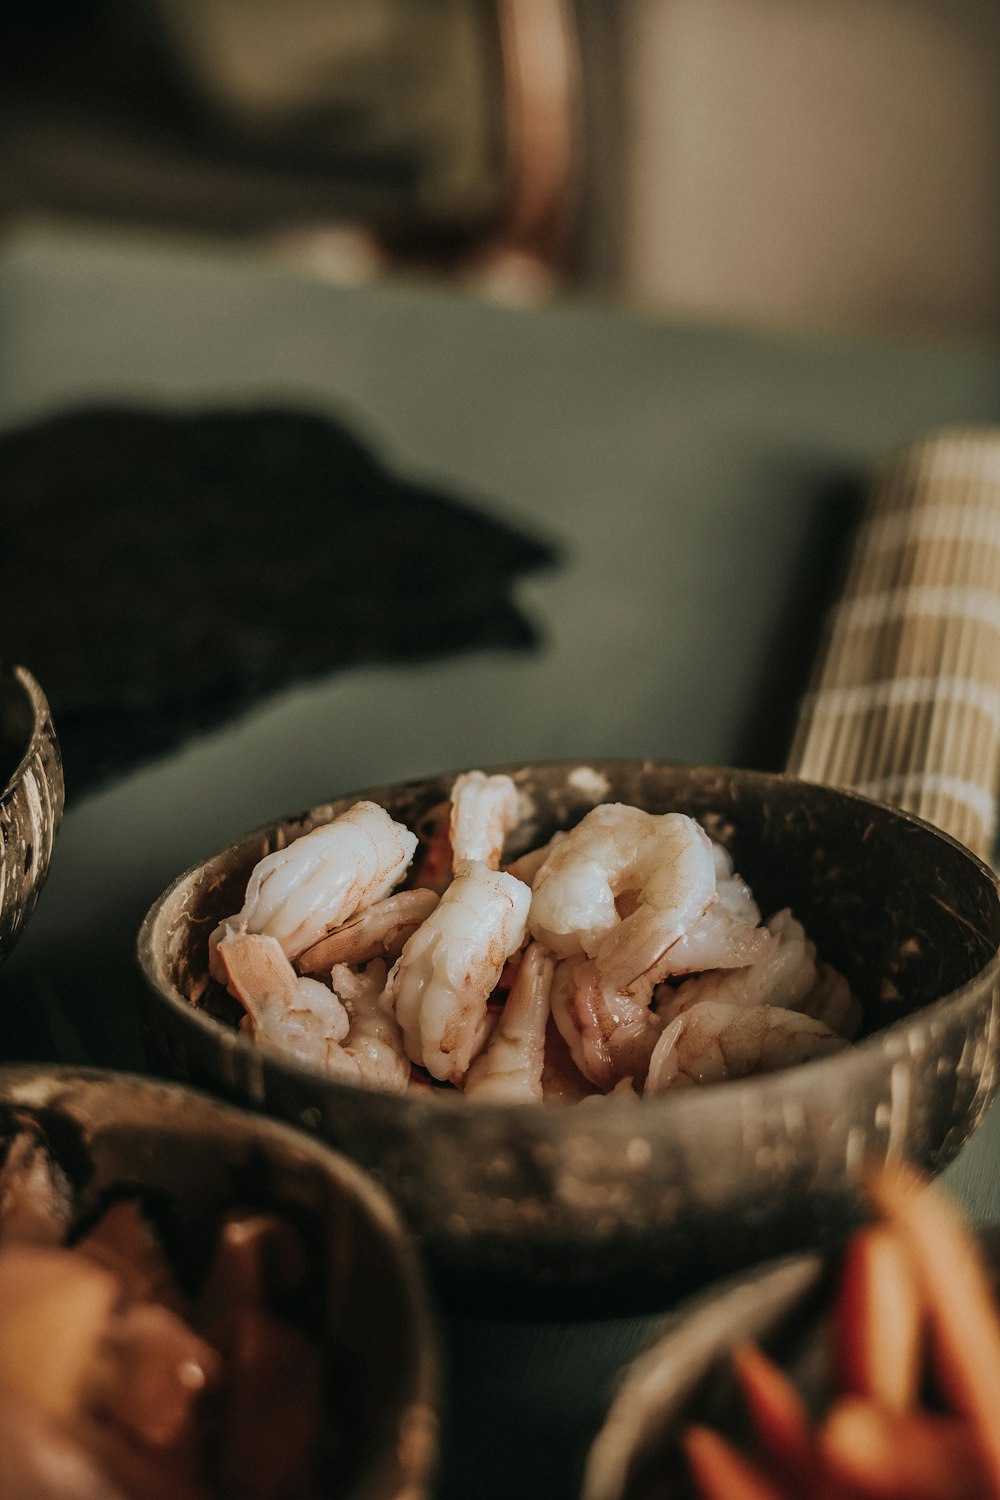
(373, 1054)
(302, 892)
(527, 865)
(729, 935)
(676, 887)
(832, 1001)
(355, 1041)
(473, 824)
(448, 969)
(379, 931)
(484, 810)
(786, 976)
(509, 1069)
(613, 852)
(714, 1041)
(610, 1033)
(573, 899)
(299, 1017)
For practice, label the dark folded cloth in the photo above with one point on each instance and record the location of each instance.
(162, 571)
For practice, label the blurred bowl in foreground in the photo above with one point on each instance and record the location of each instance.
(645, 1198)
(190, 1161)
(789, 1309)
(686, 1376)
(31, 801)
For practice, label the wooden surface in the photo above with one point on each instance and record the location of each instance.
(702, 483)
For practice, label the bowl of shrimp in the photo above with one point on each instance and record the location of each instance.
(198, 1303)
(623, 1025)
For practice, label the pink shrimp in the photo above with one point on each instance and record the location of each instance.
(610, 1033)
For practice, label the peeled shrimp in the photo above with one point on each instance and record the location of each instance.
(786, 976)
(616, 849)
(380, 930)
(297, 1016)
(304, 1020)
(831, 1001)
(473, 824)
(373, 1054)
(509, 1069)
(450, 966)
(527, 866)
(299, 894)
(610, 1033)
(729, 935)
(713, 1041)
(573, 901)
(484, 810)
(676, 878)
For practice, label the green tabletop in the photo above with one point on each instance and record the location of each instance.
(701, 482)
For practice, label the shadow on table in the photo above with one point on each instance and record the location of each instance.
(164, 571)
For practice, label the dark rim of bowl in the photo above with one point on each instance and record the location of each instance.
(39, 719)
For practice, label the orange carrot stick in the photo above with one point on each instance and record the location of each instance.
(960, 1305)
(886, 1455)
(878, 1321)
(721, 1473)
(780, 1420)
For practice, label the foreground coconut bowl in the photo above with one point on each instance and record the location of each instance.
(192, 1160)
(686, 1374)
(644, 1198)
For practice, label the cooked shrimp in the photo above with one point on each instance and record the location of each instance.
(573, 901)
(610, 1033)
(667, 861)
(373, 1054)
(296, 1016)
(302, 892)
(450, 966)
(302, 1019)
(785, 976)
(729, 935)
(484, 810)
(831, 1001)
(509, 1069)
(473, 824)
(527, 865)
(675, 873)
(713, 1041)
(380, 930)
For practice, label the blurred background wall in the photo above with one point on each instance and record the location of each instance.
(823, 164)
(815, 161)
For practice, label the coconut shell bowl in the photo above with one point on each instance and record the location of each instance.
(31, 799)
(198, 1304)
(623, 1203)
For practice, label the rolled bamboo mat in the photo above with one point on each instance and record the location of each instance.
(905, 700)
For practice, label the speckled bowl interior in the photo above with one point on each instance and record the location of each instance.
(643, 1198)
(31, 801)
(191, 1160)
